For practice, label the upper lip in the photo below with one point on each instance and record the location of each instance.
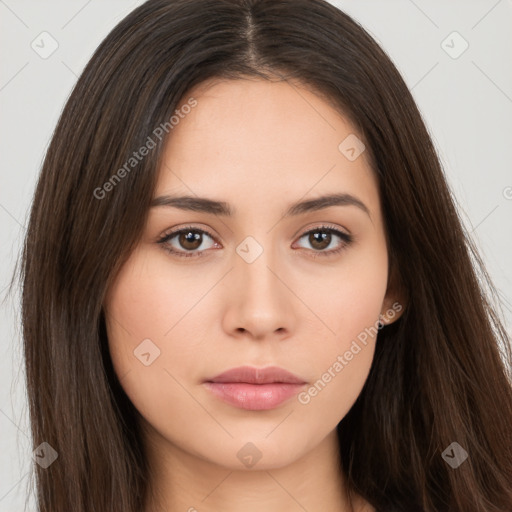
(252, 375)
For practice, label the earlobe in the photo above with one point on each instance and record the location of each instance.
(391, 313)
(395, 299)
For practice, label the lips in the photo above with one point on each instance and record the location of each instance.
(251, 375)
(255, 389)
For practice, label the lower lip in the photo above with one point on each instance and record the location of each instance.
(254, 397)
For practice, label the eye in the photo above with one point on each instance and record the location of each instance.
(190, 241)
(189, 238)
(323, 236)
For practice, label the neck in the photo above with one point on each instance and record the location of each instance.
(183, 482)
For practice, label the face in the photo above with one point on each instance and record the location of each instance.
(300, 289)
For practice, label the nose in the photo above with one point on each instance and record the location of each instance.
(260, 302)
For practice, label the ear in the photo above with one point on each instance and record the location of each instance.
(395, 300)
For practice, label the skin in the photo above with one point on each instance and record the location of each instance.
(259, 146)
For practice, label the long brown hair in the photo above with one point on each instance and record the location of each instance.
(441, 374)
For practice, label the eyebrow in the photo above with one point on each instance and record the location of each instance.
(221, 208)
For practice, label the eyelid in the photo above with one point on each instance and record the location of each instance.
(174, 231)
(322, 225)
(304, 231)
(346, 237)
(168, 235)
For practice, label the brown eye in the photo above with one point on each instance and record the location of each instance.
(187, 242)
(320, 240)
(323, 237)
(190, 240)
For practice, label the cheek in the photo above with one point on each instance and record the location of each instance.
(349, 306)
(169, 307)
(151, 299)
(348, 298)
(148, 315)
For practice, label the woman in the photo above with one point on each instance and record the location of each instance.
(254, 291)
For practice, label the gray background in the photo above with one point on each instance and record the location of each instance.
(466, 101)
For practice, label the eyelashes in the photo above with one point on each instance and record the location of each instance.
(326, 235)
(184, 235)
(189, 237)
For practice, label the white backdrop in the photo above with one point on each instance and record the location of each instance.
(455, 56)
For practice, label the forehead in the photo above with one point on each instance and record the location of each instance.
(260, 140)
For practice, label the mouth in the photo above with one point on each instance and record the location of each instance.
(255, 389)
